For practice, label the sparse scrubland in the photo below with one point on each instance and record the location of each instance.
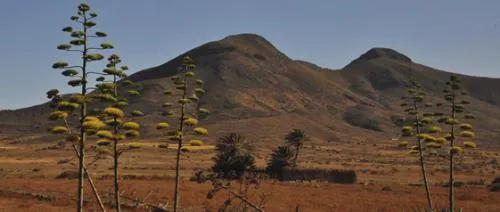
(124, 156)
(387, 177)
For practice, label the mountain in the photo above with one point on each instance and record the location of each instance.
(253, 88)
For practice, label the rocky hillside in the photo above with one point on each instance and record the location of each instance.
(255, 89)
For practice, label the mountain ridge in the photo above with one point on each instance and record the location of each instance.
(253, 87)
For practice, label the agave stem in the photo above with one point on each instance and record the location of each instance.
(421, 159)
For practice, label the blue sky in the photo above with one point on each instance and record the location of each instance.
(456, 35)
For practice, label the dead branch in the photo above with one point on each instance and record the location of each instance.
(148, 205)
(91, 182)
(242, 198)
(38, 196)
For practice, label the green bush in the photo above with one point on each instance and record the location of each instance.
(495, 187)
(163, 146)
(195, 142)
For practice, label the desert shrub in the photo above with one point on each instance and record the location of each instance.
(425, 209)
(495, 187)
(359, 117)
(386, 188)
(332, 175)
(70, 175)
(64, 161)
(201, 176)
(456, 184)
(496, 181)
(258, 56)
(163, 146)
(398, 121)
(479, 182)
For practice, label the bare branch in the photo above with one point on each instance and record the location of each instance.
(74, 50)
(91, 182)
(148, 205)
(242, 198)
(97, 158)
(123, 150)
(147, 195)
(97, 73)
(90, 88)
(81, 67)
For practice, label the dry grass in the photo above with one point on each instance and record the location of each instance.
(174, 146)
(313, 196)
(33, 168)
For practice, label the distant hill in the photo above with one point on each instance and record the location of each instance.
(255, 89)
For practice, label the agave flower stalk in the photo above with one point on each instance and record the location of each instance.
(454, 96)
(79, 78)
(411, 104)
(64, 111)
(114, 117)
(191, 92)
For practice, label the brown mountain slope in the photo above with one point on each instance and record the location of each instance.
(255, 89)
(381, 78)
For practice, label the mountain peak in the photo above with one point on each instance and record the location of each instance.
(379, 52)
(246, 37)
(250, 42)
(238, 45)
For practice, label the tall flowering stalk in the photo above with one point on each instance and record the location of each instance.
(115, 118)
(188, 113)
(413, 104)
(458, 130)
(79, 75)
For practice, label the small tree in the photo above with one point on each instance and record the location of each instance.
(296, 139)
(281, 158)
(234, 157)
(79, 75)
(191, 90)
(413, 102)
(114, 117)
(454, 96)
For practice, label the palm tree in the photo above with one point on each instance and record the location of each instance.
(233, 142)
(296, 139)
(234, 156)
(281, 158)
